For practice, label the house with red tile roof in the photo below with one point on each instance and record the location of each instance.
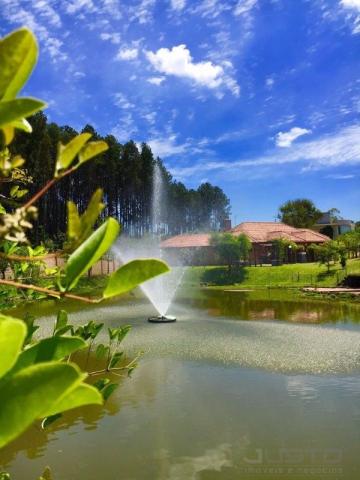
(195, 249)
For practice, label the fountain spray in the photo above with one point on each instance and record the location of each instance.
(159, 290)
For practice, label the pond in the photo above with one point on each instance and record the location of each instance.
(251, 385)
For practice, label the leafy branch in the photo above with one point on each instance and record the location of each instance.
(39, 379)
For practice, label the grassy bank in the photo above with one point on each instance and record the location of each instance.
(291, 276)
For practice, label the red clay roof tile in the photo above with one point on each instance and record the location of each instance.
(258, 232)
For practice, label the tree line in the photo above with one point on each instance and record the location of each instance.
(125, 174)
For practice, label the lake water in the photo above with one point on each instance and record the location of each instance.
(243, 386)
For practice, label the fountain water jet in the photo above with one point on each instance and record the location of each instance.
(160, 290)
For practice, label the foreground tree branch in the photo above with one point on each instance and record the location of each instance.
(47, 187)
(47, 291)
(24, 258)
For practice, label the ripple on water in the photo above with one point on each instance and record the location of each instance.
(273, 346)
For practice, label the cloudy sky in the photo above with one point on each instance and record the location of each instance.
(261, 97)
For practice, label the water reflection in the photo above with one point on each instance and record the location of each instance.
(183, 420)
(273, 304)
(33, 443)
(215, 398)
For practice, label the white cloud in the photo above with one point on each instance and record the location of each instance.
(150, 117)
(339, 176)
(122, 102)
(143, 12)
(79, 74)
(166, 147)
(269, 83)
(355, 6)
(351, 4)
(211, 8)
(79, 5)
(125, 128)
(127, 54)
(156, 80)
(334, 150)
(179, 62)
(45, 10)
(111, 37)
(178, 4)
(244, 7)
(13, 12)
(285, 139)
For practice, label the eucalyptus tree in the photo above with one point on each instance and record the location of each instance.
(125, 173)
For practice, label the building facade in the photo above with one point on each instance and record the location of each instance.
(195, 249)
(333, 227)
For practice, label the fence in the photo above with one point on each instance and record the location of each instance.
(105, 266)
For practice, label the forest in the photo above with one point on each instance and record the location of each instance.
(125, 174)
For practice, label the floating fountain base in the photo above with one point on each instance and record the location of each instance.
(162, 319)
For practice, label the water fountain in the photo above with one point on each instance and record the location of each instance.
(160, 290)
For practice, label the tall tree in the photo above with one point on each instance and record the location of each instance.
(299, 213)
(125, 174)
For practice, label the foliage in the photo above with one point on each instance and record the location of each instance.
(125, 174)
(299, 213)
(38, 379)
(351, 240)
(328, 252)
(80, 226)
(46, 475)
(282, 247)
(230, 248)
(18, 56)
(29, 392)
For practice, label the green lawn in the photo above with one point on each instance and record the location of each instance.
(292, 275)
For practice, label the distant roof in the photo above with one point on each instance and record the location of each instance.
(328, 219)
(187, 240)
(261, 232)
(258, 232)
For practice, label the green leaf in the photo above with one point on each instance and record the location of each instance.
(132, 274)
(83, 394)
(67, 153)
(4, 476)
(61, 320)
(46, 475)
(52, 348)
(109, 390)
(92, 149)
(29, 321)
(74, 223)
(23, 125)
(63, 330)
(115, 359)
(37, 388)
(12, 110)
(101, 383)
(49, 420)
(8, 134)
(12, 336)
(90, 252)
(101, 351)
(123, 331)
(80, 227)
(91, 214)
(18, 56)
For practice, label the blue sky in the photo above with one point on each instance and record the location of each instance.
(261, 97)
